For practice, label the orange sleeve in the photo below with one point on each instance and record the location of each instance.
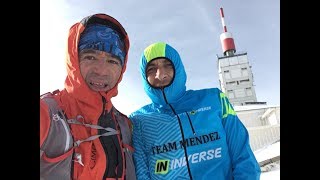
(44, 121)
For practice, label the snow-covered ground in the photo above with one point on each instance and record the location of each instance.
(271, 175)
(271, 171)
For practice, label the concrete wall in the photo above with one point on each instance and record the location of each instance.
(263, 125)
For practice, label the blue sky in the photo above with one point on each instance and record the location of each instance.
(193, 27)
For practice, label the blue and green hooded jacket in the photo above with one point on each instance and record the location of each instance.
(198, 125)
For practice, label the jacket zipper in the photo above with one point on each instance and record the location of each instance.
(194, 133)
(182, 134)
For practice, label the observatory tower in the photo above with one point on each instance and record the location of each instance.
(235, 75)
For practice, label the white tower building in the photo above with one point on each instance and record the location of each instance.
(235, 75)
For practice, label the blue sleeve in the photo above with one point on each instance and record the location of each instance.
(244, 163)
(140, 155)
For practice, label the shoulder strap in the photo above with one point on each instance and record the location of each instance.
(59, 132)
(124, 116)
(49, 94)
(56, 152)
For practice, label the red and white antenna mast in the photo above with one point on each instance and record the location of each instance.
(226, 39)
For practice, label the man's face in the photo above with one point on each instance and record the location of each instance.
(99, 69)
(160, 72)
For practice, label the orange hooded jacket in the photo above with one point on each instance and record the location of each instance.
(77, 99)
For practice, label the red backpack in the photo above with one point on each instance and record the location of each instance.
(57, 152)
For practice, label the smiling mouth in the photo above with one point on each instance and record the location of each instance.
(98, 85)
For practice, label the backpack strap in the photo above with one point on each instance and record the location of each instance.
(77, 120)
(59, 133)
(56, 152)
(125, 117)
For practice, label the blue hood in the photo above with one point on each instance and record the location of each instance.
(178, 87)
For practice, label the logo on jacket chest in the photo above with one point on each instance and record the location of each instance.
(193, 141)
(193, 112)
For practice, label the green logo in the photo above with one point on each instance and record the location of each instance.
(162, 167)
(193, 112)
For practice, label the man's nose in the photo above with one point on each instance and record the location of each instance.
(161, 75)
(102, 67)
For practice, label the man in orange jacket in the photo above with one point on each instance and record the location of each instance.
(82, 135)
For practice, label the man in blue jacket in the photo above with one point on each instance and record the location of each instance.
(192, 134)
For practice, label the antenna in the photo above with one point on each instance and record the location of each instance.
(226, 39)
(222, 20)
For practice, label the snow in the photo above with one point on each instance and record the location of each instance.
(252, 107)
(271, 175)
(273, 169)
(268, 152)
